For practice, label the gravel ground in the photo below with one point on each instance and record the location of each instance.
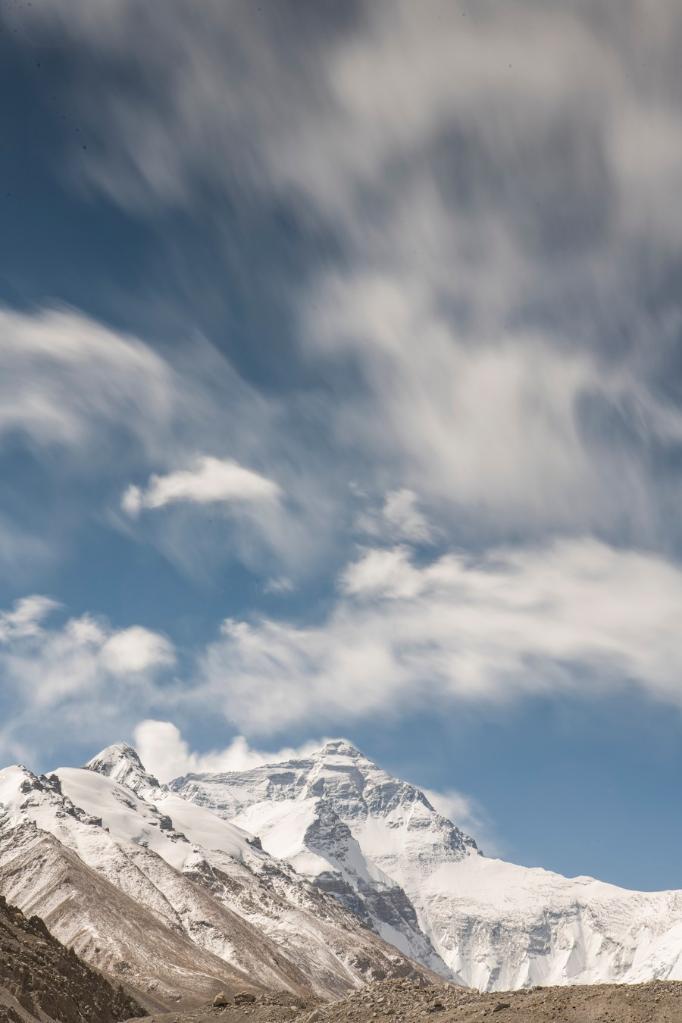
(406, 1002)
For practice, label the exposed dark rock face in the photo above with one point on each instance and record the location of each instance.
(40, 979)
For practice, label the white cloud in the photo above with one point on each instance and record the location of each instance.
(382, 573)
(500, 427)
(279, 584)
(135, 650)
(112, 408)
(403, 517)
(246, 516)
(69, 382)
(81, 659)
(210, 481)
(398, 519)
(167, 755)
(75, 679)
(574, 616)
(475, 161)
(26, 617)
(452, 804)
(498, 179)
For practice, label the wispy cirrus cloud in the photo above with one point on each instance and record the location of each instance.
(490, 221)
(66, 381)
(512, 89)
(96, 407)
(515, 430)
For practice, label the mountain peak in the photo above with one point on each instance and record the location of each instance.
(340, 748)
(118, 751)
(122, 763)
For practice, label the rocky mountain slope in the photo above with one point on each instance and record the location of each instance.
(655, 1002)
(180, 906)
(379, 846)
(108, 928)
(42, 980)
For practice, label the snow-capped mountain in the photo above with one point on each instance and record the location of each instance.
(167, 895)
(338, 826)
(379, 846)
(226, 880)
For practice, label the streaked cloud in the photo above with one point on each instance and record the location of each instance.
(335, 120)
(510, 203)
(96, 407)
(514, 429)
(65, 380)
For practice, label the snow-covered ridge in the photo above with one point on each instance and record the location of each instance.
(357, 831)
(217, 903)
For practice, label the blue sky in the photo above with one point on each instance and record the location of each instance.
(340, 387)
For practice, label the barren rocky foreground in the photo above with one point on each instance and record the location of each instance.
(406, 1002)
(42, 980)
